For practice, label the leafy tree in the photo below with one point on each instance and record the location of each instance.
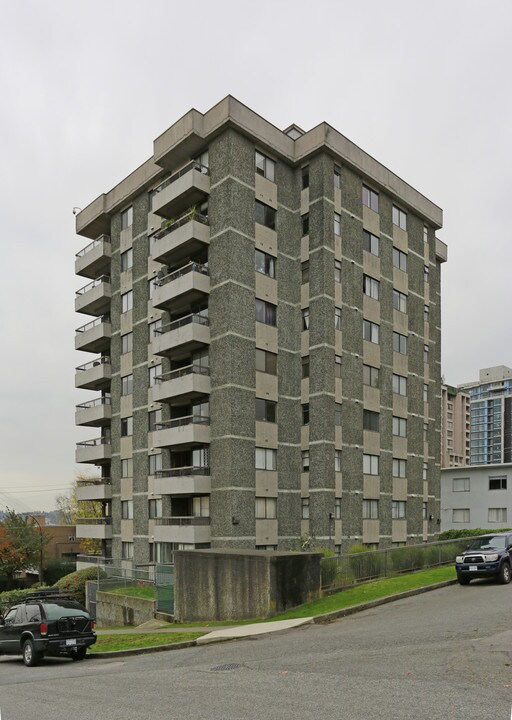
(72, 510)
(21, 543)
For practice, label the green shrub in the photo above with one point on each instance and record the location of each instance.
(12, 597)
(408, 559)
(74, 583)
(57, 569)
(365, 564)
(463, 533)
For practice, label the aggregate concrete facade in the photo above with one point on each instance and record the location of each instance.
(296, 500)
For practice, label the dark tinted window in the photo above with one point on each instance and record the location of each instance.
(54, 611)
(33, 613)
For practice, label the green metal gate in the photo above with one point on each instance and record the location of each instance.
(164, 588)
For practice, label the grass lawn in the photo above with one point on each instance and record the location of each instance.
(146, 592)
(134, 641)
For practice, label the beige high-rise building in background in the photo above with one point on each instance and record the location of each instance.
(455, 427)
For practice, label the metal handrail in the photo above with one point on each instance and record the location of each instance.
(85, 250)
(104, 400)
(194, 165)
(190, 267)
(94, 442)
(180, 422)
(186, 320)
(84, 482)
(183, 520)
(181, 372)
(102, 280)
(183, 220)
(105, 360)
(94, 323)
(183, 471)
(94, 521)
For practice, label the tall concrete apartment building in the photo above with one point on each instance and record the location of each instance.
(455, 427)
(490, 416)
(265, 336)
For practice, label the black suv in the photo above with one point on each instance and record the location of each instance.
(46, 622)
(486, 556)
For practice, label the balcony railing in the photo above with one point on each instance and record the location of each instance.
(94, 403)
(94, 559)
(95, 442)
(182, 372)
(186, 320)
(194, 165)
(102, 280)
(183, 471)
(93, 323)
(94, 521)
(184, 520)
(183, 220)
(85, 482)
(181, 421)
(94, 363)
(91, 246)
(191, 267)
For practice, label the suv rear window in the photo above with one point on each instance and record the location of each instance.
(54, 611)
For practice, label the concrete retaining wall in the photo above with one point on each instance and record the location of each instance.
(122, 610)
(242, 584)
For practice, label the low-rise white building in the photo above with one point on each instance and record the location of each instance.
(477, 496)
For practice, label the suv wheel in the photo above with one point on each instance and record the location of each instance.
(504, 575)
(78, 654)
(30, 656)
(463, 580)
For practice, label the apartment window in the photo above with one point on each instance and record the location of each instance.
(337, 413)
(425, 233)
(304, 269)
(126, 260)
(155, 508)
(399, 426)
(127, 551)
(266, 312)
(399, 468)
(154, 372)
(425, 392)
(337, 224)
(426, 313)
(425, 511)
(337, 508)
(371, 243)
(460, 485)
(370, 332)
(127, 509)
(399, 384)
(425, 353)
(265, 215)
(498, 483)
(370, 509)
(425, 432)
(371, 420)
(370, 198)
(425, 471)
(371, 376)
(265, 264)
(265, 166)
(337, 271)
(265, 410)
(266, 362)
(126, 343)
(497, 515)
(460, 515)
(305, 319)
(337, 318)
(305, 224)
(266, 459)
(400, 343)
(201, 506)
(426, 273)
(126, 426)
(127, 467)
(154, 419)
(155, 463)
(370, 464)
(371, 287)
(337, 460)
(305, 177)
(305, 414)
(305, 508)
(399, 301)
(399, 259)
(305, 366)
(154, 329)
(305, 461)
(399, 218)
(266, 508)
(337, 366)
(337, 176)
(127, 301)
(398, 509)
(127, 218)
(127, 385)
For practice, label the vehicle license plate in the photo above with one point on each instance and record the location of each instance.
(71, 641)
(473, 568)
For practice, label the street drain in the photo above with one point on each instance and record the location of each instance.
(228, 666)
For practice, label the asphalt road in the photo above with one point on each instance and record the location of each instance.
(443, 655)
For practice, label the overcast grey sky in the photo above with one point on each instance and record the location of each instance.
(424, 87)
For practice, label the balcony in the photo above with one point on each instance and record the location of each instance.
(96, 451)
(183, 481)
(190, 430)
(94, 336)
(94, 489)
(181, 288)
(85, 561)
(182, 336)
(187, 529)
(187, 383)
(94, 298)
(181, 240)
(95, 412)
(95, 528)
(94, 259)
(188, 186)
(94, 375)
